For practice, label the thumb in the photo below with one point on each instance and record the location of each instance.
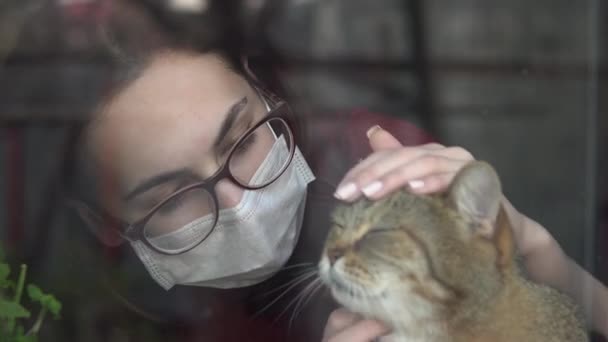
(379, 139)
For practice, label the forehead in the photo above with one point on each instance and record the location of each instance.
(400, 209)
(167, 117)
(173, 86)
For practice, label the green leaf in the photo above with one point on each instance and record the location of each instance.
(20, 336)
(4, 272)
(47, 301)
(35, 293)
(10, 309)
(53, 305)
(26, 338)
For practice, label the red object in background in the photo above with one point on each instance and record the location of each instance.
(86, 11)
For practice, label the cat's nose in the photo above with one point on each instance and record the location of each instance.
(334, 254)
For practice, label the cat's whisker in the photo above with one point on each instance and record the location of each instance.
(296, 298)
(297, 276)
(294, 283)
(314, 291)
(300, 265)
(301, 304)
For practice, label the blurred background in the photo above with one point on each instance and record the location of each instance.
(520, 84)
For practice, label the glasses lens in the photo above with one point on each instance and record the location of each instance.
(181, 222)
(263, 155)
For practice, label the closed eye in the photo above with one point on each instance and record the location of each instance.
(375, 232)
(382, 229)
(337, 225)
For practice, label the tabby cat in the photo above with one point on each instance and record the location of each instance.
(442, 267)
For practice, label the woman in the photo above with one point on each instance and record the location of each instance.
(198, 169)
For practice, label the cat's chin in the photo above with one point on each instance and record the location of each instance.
(355, 297)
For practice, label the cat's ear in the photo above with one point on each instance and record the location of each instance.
(96, 224)
(476, 193)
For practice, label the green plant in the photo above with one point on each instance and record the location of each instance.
(13, 315)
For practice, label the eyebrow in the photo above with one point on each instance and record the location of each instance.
(157, 180)
(227, 123)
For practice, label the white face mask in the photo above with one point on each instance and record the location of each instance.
(251, 241)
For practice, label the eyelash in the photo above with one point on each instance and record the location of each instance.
(176, 202)
(245, 145)
(171, 205)
(380, 230)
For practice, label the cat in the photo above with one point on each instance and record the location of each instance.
(442, 267)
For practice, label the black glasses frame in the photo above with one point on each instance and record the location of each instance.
(135, 231)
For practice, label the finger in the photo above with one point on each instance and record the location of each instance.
(346, 189)
(417, 174)
(372, 168)
(431, 184)
(380, 163)
(380, 139)
(397, 170)
(338, 320)
(403, 155)
(455, 152)
(370, 160)
(432, 146)
(363, 331)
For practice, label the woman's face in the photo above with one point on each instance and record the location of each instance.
(168, 128)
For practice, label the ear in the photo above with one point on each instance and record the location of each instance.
(96, 224)
(503, 239)
(476, 193)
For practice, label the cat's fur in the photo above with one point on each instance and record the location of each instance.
(442, 267)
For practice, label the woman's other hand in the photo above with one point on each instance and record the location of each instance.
(345, 326)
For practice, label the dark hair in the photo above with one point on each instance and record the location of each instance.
(131, 34)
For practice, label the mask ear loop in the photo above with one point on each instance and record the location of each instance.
(250, 74)
(256, 82)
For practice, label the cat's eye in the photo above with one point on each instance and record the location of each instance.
(376, 231)
(337, 225)
(382, 229)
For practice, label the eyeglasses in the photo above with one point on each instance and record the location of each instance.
(187, 217)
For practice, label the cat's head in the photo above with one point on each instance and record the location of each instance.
(410, 257)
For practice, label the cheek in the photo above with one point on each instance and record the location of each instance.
(358, 269)
(324, 267)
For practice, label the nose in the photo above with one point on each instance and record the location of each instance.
(334, 254)
(228, 194)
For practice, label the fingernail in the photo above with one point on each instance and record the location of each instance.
(416, 184)
(371, 130)
(372, 188)
(346, 191)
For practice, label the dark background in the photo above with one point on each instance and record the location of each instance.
(518, 83)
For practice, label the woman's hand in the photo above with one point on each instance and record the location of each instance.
(345, 326)
(424, 169)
